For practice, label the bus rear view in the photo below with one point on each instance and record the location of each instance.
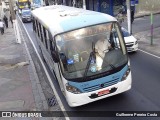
(90, 55)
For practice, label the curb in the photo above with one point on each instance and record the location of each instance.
(146, 14)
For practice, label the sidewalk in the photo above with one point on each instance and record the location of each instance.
(144, 40)
(19, 90)
(145, 13)
(144, 37)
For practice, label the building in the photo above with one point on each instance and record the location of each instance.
(4, 8)
(112, 7)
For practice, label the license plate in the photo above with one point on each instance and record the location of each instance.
(104, 92)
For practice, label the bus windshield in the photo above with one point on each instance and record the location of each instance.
(23, 4)
(91, 51)
(26, 12)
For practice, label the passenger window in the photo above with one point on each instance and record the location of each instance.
(38, 31)
(34, 25)
(52, 46)
(45, 37)
(48, 41)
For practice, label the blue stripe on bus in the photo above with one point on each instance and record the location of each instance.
(95, 84)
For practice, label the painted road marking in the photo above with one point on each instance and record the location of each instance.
(47, 74)
(149, 53)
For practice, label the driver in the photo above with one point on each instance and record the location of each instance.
(102, 46)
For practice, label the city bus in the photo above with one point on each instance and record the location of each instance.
(85, 50)
(22, 4)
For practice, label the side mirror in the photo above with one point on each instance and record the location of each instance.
(55, 56)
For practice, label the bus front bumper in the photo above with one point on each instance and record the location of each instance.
(75, 100)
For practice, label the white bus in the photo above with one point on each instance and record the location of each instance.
(81, 49)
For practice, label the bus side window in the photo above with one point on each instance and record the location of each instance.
(48, 41)
(52, 46)
(42, 35)
(38, 31)
(45, 38)
(34, 24)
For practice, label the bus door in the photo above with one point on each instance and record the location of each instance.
(58, 75)
(56, 71)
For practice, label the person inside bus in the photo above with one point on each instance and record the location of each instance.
(102, 46)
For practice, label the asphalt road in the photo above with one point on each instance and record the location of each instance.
(144, 95)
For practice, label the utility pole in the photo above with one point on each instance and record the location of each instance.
(151, 28)
(129, 16)
(15, 24)
(84, 4)
(64, 2)
(74, 3)
(56, 2)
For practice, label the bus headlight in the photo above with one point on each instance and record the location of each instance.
(126, 74)
(72, 89)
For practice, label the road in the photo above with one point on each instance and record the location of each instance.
(144, 95)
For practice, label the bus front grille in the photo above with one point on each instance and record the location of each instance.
(100, 86)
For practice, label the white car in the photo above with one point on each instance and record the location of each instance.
(131, 42)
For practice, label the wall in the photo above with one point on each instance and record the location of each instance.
(4, 10)
(148, 5)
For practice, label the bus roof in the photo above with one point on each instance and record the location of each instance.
(59, 18)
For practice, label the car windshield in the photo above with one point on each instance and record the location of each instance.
(75, 50)
(26, 12)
